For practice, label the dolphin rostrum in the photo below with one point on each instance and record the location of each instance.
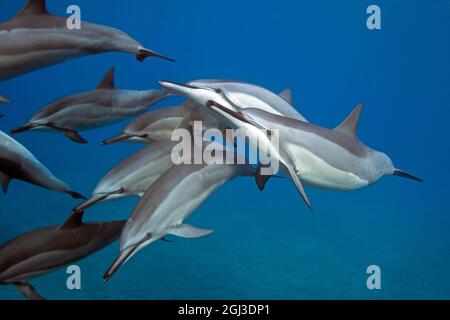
(99, 107)
(36, 39)
(44, 250)
(16, 162)
(170, 201)
(328, 158)
(134, 175)
(158, 125)
(241, 95)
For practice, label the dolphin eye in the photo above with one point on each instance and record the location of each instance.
(218, 90)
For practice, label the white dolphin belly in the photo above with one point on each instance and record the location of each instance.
(315, 171)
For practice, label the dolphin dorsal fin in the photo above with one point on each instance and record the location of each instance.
(350, 124)
(75, 220)
(34, 7)
(108, 80)
(286, 94)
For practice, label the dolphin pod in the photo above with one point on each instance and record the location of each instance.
(134, 175)
(36, 39)
(158, 125)
(87, 110)
(169, 202)
(16, 162)
(333, 159)
(43, 250)
(308, 154)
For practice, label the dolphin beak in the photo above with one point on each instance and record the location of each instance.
(407, 175)
(23, 128)
(123, 257)
(90, 202)
(144, 53)
(119, 138)
(120, 260)
(178, 88)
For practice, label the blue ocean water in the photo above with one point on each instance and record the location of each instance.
(266, 245)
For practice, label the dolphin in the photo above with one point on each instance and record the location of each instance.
(99, 107)
(238, 94)
(158, 125)
(36, 39)
(16, 162)
(168, 202)
(328, 158)
(219, 106)
(134, 175)
(44, 250)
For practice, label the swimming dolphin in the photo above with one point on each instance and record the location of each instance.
(214, 101)
(134, 175)
(329, 158)
(44, 250)
(16, 162)
(238, 94)
(102, 106)
(36, 39)
(158, 125)
(168, 202)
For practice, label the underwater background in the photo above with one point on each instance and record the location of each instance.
(265, 245)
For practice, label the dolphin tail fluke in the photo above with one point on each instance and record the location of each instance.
(119, 138)
(76, 195)
(144, 53)
(28, 291)
(23, 128)
(407, 175)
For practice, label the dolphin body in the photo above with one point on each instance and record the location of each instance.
(328, 158)
(238, 94)
(158, 125)
(212, 98)
(16, 162)
(102, 106)
(36, 39)
(134, 175)
(44, 250)
(168, 202)
(332, 159)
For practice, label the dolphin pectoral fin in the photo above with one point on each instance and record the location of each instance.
(189, 231)
(119, 138)
(4, 179)
(74, 136)
(28, 291)
(261, 179)
(407, 175)
(298, 183)
(144, 53)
